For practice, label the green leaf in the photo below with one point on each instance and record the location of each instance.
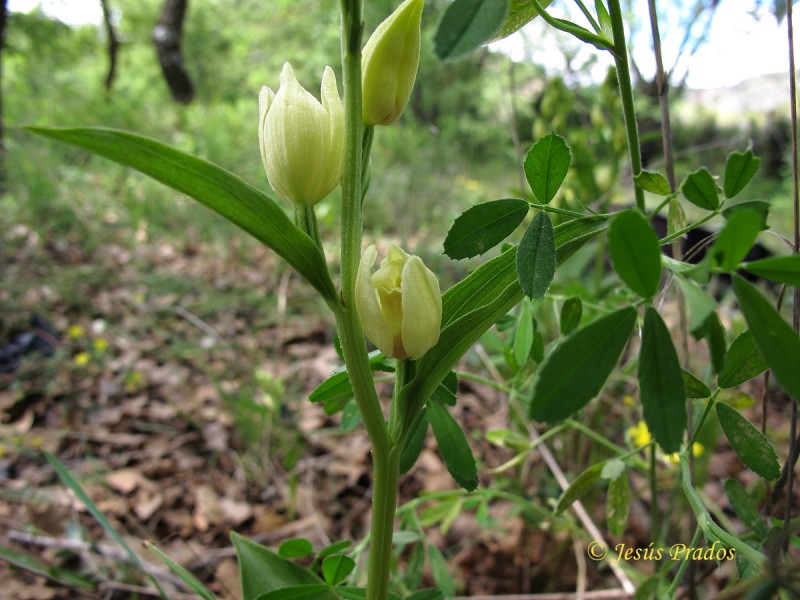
(759, 207)
(295, 548)
(574, 373)
(676, 216)
(415, 442)
(482, 227)
(735, 240)
(635, 252)
(739, 170)
(520, 13)
(334, 548)
(187, 577)
(699, 302)
(310, 591)
(618, 502)
(743, 361)
(751, 446)
(745, 507)
(61, 576)
(652, 182)
(661, 387)
(357, 593)
(466, 24)
(523, 334)
(714, 333)
(700, 189)
(606, 26)
(783, 269)
(453, 446)
(66, 477)
(694, 387)
(446, 391)
(223, 192)
(546, 166)
(338, 384)
(262, 570)
(536, 256)
(580, 487)
(441, 572)
(778, 342)
(428, 594)
(573, 235)
(335, 568)
(571, 312)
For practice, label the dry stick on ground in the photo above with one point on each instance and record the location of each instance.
(87, 549)
(596, 595)
(577, 506)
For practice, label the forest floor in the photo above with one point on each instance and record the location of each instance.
(176, 394)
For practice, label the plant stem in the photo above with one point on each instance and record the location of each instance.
(351, 335)
(626, 94)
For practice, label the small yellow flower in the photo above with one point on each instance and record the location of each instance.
(134, 381)
(400, 305)
(75, 332)
(627, 400)
(697, 449)
(639, 434)
(100, 345)
(82, 359)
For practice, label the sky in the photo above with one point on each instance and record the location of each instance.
(743, 42)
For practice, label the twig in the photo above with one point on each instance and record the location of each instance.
(596, 595)
(88, 548)
(796, 312)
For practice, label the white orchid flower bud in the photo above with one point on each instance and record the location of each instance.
(301, 139)
(400, 305)
(389, 64)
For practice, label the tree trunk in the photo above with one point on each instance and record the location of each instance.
(113, 45)
(167, 38)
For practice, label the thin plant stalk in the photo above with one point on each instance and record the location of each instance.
(626, 94)
(796, 308)
(385, 455)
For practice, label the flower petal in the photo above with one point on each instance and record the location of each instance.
(422, 308)
(368, 305)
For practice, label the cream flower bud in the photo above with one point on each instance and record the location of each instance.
(301, 139)
(389, 64)
(400, 305)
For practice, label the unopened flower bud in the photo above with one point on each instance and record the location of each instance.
(389, 64)
(301, 139)
(400, 305)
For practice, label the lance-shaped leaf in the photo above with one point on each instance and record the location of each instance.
(740, 168)
(735, 239)
(783, 269)
(546, 166)
(778, 342)
(635, 252)
(751, 446)
(653, 182)
(743, 361)
(700, 189)
(520, 13)
(536, 256)
(239, 202)
(576, 370)
(453, 446)
(483, 226)
(661, 386)
(466, 24)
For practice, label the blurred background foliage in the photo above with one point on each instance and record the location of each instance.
(461, 142)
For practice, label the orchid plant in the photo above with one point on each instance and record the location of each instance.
(310, 146)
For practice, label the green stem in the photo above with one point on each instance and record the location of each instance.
(675, 235)
(384, 505)
(673, 587)
(579, 32)
(626, 93)
(351, 335)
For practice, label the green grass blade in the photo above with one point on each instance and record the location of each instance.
(66, 477)
(190, 580)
